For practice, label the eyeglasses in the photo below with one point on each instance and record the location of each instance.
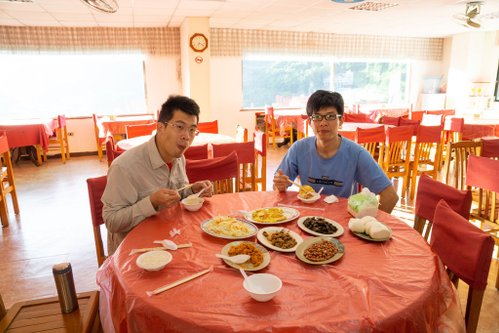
(192, 131)
(328, 117)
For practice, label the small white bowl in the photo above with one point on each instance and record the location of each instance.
(262, 287)
(154, 260)
(192, 204)
(312, 199)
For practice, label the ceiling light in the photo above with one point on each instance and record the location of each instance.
(105, 6)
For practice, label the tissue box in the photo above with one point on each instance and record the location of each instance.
(363, 204)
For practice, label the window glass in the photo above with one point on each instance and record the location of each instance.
(37, 86)
(288, 82)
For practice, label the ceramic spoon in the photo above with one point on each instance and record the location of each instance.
(167, 244)
(196, 195)
(238, 259)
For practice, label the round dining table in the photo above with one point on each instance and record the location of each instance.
(398, 285)
(200, 139)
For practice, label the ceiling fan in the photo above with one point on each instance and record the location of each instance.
(472, 17)
(105, 6)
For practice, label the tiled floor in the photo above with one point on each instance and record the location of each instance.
(55, 226)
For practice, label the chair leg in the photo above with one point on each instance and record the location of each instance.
(3, 212)
(473, 306)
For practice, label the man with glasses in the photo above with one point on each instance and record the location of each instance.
(331, 161)
(145, 179)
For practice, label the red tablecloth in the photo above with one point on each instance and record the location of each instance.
(28, 132)
(199, 140)
(395, 286)
(117, 124)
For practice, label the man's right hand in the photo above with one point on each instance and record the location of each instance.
(281, 181)
(164, 197)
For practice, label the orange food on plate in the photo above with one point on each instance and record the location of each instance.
(256, 257)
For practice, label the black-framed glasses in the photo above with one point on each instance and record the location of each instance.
(328, 117)
(192, 131)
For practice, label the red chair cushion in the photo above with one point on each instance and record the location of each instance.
(410, 122)
(357, 118)
(463, 248)
(386, 120)
(213, 168)
(490, 148)
(483, 172)
(197, 152)
(376, 134)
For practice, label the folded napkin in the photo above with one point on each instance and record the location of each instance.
(331, 199)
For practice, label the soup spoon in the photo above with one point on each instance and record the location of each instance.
(320, 190)
(196, 195)
(167, 244)
(238, 259)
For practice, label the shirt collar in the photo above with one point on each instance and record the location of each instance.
(154, 156)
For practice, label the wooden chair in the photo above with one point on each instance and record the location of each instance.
(4, 216)
(3, 311)
(246, 160)
(465, 250)
(111, 150)
(197, 152)
(208, 127)
(222, 171)
(457, 154)
(96, 188)
(483, 174)
(272, 130)
(429, 193)
(397, 155)
(427, 154)
(490, 148)
(410, 122)
(260, 141)
(373, 140)
(416, 115)
(100, 137)
(133, 131)
(7, 180)
(44, 315)
(241, 134)
(60, 139)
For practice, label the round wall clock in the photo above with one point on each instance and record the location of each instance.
(198, 42)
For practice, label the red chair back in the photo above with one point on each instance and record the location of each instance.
(490, 148)
(213, 168)
(483, 172)
(454, 124)
(133, 131)
(4, 143)
(357, 118)
(429, 134)
(463, 248)
(375, 134)
(96, 188)
(208, 127)
(386, 120)
(410, 122)
(245, 151)
(430, 192)
(197, 152)
(111, 151)
(401, 133)
(417, 115)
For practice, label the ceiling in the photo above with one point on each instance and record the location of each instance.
(409, 18)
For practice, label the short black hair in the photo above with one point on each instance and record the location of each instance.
(180, 103)
(324, 98)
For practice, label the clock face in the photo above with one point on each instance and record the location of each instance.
(198, 42)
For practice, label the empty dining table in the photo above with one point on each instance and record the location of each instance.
(398, 285)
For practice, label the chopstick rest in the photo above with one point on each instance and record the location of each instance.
(146, 249)
(178, 282)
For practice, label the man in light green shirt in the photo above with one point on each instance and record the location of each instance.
(145, 179)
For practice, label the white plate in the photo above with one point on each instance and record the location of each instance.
(308, 242)
(154, 260)
(253, 232)
(338, 226)
(247, 266)
(316, 196)
(289, 214)
(267, 243)
(369, 238)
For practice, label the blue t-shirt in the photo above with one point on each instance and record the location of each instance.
(340, 174)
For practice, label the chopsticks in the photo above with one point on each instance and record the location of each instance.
(147, 249)
(184, 187)
(294, 183)
(179, 282)
(301, 207)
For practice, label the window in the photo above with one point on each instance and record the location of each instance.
(37, 86)
(289, 82)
